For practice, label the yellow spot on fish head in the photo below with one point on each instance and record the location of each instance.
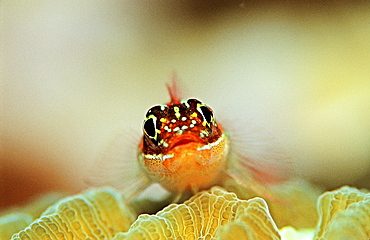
(194, 115)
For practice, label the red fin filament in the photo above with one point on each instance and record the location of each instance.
(173, 89)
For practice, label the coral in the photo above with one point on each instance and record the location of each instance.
(344, 214)
(291, 204)
(17, 218)
(94, 214)
(213, 214)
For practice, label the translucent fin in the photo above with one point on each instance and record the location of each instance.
(177, 197)
(256, 160)
(118, 167)
(181, 195)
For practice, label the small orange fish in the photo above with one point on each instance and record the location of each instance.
(185, 150)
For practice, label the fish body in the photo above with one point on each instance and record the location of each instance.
(183, 147)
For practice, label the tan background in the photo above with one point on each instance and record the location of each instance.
(76, 73)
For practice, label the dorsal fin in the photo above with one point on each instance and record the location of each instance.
(173, 89)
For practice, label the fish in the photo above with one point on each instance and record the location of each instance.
(185, 149)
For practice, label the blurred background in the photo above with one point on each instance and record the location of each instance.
(74, 74)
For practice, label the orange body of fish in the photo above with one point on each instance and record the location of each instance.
(183, 147)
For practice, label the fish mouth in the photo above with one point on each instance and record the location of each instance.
(184, 139)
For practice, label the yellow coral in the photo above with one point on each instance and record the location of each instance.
(344, 214)
(17, 218)
(207, 215)
(214, 214)
(94, 214)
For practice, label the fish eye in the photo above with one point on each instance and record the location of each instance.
(206, 113)
(150, 127)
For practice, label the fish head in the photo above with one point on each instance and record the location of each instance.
(177, 126)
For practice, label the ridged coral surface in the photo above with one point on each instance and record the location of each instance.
(95, 214)
(17, 218)
(344, 214)
(215, 214)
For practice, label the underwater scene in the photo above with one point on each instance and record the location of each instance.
(185, 120)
